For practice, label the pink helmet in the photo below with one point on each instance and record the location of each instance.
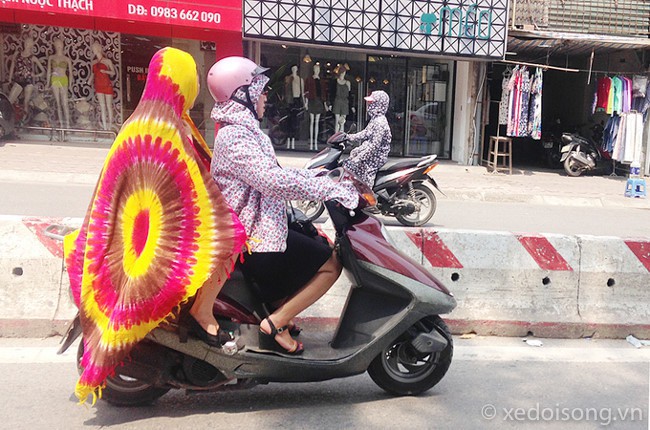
(230, 73)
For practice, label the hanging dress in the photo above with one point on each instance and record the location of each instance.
(535, 114)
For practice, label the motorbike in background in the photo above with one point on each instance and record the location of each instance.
(580, 155)
(400, 187)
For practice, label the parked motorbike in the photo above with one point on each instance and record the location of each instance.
(581, 155)
(400, 187)
(7, 117)
(390, 327)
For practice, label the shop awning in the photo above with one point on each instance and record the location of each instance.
(535, 42)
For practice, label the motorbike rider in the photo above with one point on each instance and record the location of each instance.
(366, 159)
(284, 263)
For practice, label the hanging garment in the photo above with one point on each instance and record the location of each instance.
(505, 95)
(604, 85)
(525, 103)
(633, 138)
(610, 97)
(535, 111)
(627, 94)
(610, 132)
(617, 94)
(514, 101)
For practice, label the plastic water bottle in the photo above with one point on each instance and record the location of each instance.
(635, 169)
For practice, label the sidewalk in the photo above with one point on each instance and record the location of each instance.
(80, 163)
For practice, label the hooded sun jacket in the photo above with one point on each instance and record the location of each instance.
(368, 157)
(246, 170)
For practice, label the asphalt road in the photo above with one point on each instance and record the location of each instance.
(70, 199)
(492, 383)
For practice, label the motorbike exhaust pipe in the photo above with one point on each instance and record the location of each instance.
(581, 158)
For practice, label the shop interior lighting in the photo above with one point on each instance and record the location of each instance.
(307, 58)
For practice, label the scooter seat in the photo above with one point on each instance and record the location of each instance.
(399, 165)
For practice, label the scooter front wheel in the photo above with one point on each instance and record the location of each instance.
(122, 390)
(401, 370)
(311, 208)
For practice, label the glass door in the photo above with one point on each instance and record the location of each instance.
(427, 109)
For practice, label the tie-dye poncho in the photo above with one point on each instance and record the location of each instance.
(157, 226)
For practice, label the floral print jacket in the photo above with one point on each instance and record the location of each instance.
(366, 159)
(246, 170)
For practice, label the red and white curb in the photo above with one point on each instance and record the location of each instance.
(506, 283)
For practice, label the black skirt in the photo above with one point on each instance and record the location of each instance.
(282, 274)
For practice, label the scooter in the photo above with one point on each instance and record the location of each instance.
(390, 327)
(399, 186)
(580, 155)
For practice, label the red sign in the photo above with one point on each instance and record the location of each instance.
(225, 15)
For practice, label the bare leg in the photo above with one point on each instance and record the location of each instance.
(65, 106)
(109, 109)
(57, 98)
(29, 89)
(316, 131)
(102, 108)
(311, 131)
(202, 308)
(14, 93)
(314, 290)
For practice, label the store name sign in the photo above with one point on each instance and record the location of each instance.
(467, 22)
(222, 15)
(71, 5)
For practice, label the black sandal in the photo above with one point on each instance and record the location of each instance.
(190, 324)
(267, 340)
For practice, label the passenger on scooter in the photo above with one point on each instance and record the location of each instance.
(366, 159)
(291, 269)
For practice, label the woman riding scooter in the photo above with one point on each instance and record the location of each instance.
(285, 263)
(367, 159)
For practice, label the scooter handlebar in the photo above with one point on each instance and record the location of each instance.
(366, 195)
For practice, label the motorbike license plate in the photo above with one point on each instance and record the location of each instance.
(566, 148)
(547, 144)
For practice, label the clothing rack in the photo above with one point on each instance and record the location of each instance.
(542, 66)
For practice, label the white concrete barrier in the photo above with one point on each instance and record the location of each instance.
(34, 289)
(615, 281)
(505, 283)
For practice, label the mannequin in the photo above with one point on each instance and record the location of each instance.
(341, 107)
(101, 71)
(59, 78)
(295, 99)
(316, 92)
(24, 70)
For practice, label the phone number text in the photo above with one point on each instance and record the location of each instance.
(174, 13)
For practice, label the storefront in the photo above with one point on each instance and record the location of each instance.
(340, 50)
(74, 68)
(573, 98)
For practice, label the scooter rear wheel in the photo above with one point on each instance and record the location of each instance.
(572, 167)
(425, 206)
(401, 370)
(122, 390)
